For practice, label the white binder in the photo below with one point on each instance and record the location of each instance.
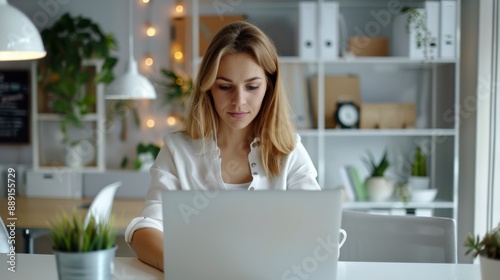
(404, 43)
(448, 40)
(433, 15)
(307, 30)
(329, 30)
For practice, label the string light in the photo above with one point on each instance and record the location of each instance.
(149, 60)
(150, 30)
(171, 121)
(178, 55)
(150, 123)
(179, 8)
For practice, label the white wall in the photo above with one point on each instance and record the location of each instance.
(112, 15)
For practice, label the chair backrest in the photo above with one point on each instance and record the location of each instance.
(102, 203)
(4, 238)
(388, 238)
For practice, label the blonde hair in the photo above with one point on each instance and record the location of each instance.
(272, 124)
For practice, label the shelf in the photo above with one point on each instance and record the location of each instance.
(57, 117)
(391, 60)
(398, 205)
(377, 132)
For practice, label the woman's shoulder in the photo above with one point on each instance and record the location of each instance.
(176, 137)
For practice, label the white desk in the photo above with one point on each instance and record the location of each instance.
(32, 266)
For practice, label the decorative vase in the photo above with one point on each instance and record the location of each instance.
(79, 155)
(94, 265)
(419, 182)
(378, 189)
(490, 268)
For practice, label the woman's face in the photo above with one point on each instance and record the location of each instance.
(238, 90)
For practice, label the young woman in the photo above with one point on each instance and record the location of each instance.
(238, 134)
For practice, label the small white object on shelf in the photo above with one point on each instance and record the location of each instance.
(423, 195)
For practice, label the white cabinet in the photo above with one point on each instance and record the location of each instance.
(431, 85)
(49, 153)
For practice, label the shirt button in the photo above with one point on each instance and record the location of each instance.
(255, 173)
(253, 164)
(251, 188)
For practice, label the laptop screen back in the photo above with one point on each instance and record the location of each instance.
(251, 235)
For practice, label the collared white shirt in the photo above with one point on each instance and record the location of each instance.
(185, 164)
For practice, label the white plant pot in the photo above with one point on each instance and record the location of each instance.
(490, 268)
(379, 189)
(419, 183)
(79, 155)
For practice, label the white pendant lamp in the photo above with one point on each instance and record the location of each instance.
(19, 38)
(132, 85)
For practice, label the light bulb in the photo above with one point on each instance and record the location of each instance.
(149, 61)
(145, 1)
(178, 55)
(150, 123)
(179, 8)
(171, 121)
(151, 31)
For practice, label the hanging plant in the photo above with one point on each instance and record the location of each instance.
(417, 22)
(69, 42)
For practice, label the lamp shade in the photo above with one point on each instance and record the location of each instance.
(19, 38)
(131, 85)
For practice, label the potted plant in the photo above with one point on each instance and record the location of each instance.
(419, 178)
(488, 250)
(378, 187)
(65, 82)
(83, 251)
(146, 155)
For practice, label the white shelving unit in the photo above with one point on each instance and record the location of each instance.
(382, 79)
(48, 151)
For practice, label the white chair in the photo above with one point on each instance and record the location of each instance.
(102, 203)
(388, 238)
(4, 238)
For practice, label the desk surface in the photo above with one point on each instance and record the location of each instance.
(36, 212)
(32, 266)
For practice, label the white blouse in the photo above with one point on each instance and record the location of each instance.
(186, 164)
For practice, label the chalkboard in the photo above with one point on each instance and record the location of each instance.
(14, 106)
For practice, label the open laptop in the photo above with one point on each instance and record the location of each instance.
(248, 235)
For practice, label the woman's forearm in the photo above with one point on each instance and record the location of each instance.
(147, 244)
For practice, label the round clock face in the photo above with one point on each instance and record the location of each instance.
(348, 115)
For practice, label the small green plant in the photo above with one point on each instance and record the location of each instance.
(419, 164)
(488, 246)
(376, 169)
(70, 235)
(176, 86)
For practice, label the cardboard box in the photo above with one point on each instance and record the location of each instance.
(337, 88)
(388, 115)
(369, 46)
(209, 26)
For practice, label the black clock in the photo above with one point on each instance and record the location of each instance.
(347, 114)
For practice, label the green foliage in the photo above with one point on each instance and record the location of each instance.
(419, 164)
(176, 87)
(69, 42)
(70, 235)
(376, 169)
(488, 246)
(417, 21)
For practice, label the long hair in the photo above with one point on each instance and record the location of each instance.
(272, 124)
